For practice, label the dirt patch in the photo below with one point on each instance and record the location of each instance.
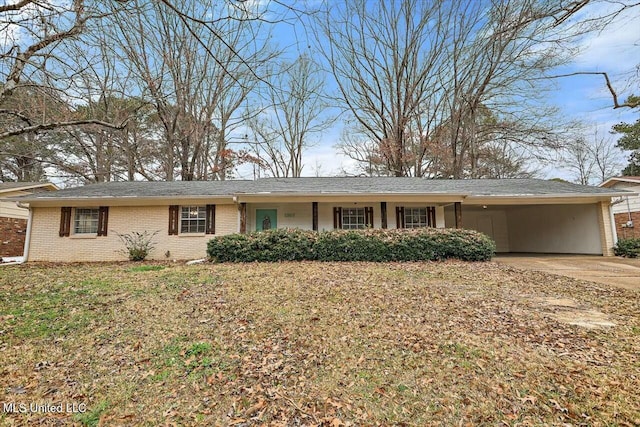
(569, 311)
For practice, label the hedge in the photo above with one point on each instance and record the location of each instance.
(629, 248)
(418, 244)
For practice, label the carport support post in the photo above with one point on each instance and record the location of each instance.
(457, 206)
(383, 214)
(607, 228)
(243, 218)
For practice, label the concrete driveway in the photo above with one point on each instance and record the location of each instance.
(620, 272)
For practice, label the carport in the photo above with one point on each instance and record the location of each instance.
(551, 224)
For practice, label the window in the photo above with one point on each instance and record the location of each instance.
(352, 218)
(415, 217)
(86, 221)
(193, 219)
(410, 217)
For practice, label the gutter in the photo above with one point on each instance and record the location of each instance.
(551, 196)
(345, 193)
(620, 200)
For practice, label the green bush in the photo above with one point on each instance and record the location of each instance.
(419, 244)
(351, 245)
(267, 246)
(629, 248)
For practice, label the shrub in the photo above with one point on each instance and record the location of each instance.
(629, 248)
(420, 244)
(270, 246)
(137, 245)
(352, 245)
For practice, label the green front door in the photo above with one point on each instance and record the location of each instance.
(266, 219)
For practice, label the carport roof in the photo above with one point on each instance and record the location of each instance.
(475, 188)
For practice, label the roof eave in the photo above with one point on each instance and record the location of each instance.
(611, 181)
(569, 198)
(119, 200)
(31, 187)
(300, 197)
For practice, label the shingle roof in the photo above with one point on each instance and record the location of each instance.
(150, 189)
(470, 187)
(318, 186)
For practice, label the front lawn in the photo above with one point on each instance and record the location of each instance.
(308, 343)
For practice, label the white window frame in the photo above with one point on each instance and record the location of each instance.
(351, 217)
(85, 220)
(415, 217)
(193, 219)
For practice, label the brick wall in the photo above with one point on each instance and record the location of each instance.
(624, 232)
(12, 235)
(46, 245)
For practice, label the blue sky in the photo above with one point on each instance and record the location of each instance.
(584, 98)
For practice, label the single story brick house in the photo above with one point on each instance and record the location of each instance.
(13, 218)
(521, 215)
(626, 210)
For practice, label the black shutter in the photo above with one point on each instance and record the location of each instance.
(65, 222)
(103, 220)
(368, 217)
(210, 225)
(174, 210)
(431, 216)
(399, 216)
(337, 218)
(383, 214)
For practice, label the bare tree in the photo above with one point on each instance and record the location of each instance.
(33, 32)
(591, 160)
(221, 42)
(196, 83)
(294, 114)
(385, 57)
(580, 161)
(417, 76)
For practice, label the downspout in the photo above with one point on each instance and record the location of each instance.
(613, 226)
(613, 223)
(27, 239)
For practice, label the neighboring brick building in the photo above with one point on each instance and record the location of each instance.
(626, 210)
(13, 219)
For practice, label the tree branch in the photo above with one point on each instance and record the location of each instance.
(570, 10)
(15, 6)
(616, 104)
(13, 79)
(16, 114)
(56, 125)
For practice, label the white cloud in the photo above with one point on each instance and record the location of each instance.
(617, 48)
(325, 160)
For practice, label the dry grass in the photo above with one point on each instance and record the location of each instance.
(315, 344)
